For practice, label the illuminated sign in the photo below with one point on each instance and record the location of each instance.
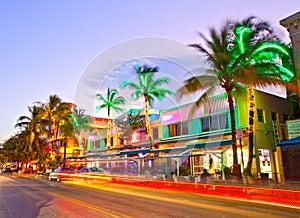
(293, 128)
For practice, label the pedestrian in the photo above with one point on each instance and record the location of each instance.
(204, 175)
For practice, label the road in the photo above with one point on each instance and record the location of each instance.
(35, 197)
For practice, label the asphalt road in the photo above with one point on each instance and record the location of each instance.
(36, 197)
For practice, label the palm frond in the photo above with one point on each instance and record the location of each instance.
(131, 84)
(196, 83)
(101, 98)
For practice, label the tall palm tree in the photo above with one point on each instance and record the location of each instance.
(32, 124)
(230, 72)
(67, 131)
(55, 111)
(148, 87)
(110, 102)
(257, 41)
(81, 122)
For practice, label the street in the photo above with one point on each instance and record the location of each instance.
(37, 197)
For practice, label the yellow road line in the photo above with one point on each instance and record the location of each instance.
(92, 207)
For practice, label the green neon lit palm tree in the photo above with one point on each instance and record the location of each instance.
(231, 71)
(148, 87)
(258, 44)
(110, 102)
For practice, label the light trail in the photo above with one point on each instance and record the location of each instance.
(237, 210)
(91, 207)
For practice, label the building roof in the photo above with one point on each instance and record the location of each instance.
(290, 142)
(290, 19)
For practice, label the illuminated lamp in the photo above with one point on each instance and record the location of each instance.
(167, 117)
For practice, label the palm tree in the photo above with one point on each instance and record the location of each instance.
(110, 102)
(129, 123)
(54, 113)
(32, 124)
(148, 87)
(81, 122)
(67, 130)
(257, 41)
(229, 71)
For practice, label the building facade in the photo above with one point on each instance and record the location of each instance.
(201, 140)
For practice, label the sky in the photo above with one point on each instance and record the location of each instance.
(47, 46)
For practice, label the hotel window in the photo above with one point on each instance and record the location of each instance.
(171, 130)
(155, 133)
(96, 144)
(185, 127)
(205, 124)
(214, 123)
(223, 121)
(178, 129)
(260, 115)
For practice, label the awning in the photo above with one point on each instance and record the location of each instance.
(291, 142)
(105, 155)
(178, 153)
(211, 144)
(135, 151)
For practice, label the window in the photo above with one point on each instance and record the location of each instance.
(155, 132)
(215, 122)
(178, 129)
(185, 128)
(171, 130)
(274, 116)
(205, 124)
(96, 144)
(260, 115)
(223, 121)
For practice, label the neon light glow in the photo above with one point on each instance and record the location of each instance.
(272, 46)
(241, 31)
(289, 75)
(268, 51)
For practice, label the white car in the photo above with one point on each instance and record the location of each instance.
(61, 173)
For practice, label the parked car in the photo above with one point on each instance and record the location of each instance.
(91, 170)
(6, 170)
(61, 173)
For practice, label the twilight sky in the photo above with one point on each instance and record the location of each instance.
(46, 46)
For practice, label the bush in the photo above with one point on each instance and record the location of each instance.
(228, 171)
(184, 171)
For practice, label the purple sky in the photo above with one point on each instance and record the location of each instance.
(46, 45)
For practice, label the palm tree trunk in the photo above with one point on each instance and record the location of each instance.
(147, 122)
(65, 150)
(236, 167)
(108, 131)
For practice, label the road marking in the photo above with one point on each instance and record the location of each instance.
(84, 204)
